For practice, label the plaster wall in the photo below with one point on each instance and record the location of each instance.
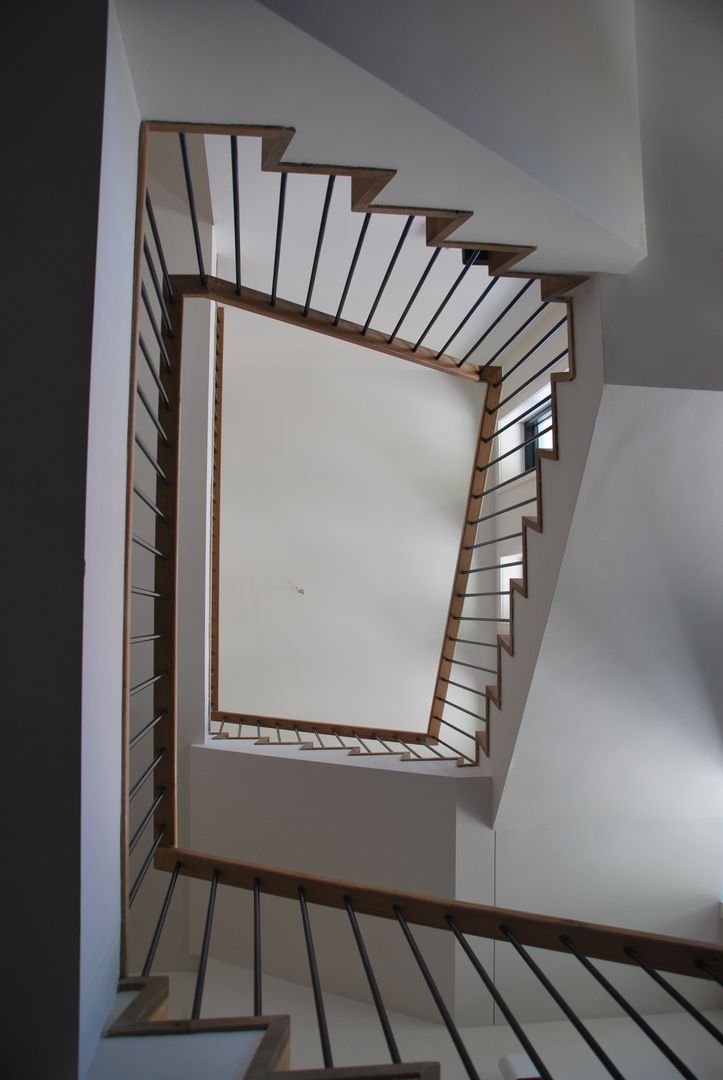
(105, 551)
(662, 322)
(238, 62)
(523, 79)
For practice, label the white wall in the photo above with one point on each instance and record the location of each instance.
(220, 62)
(345, 473)
(663, 323)
(623, 706)
(104, 552)
(550, 87)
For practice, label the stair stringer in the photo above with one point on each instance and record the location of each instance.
(560, 474)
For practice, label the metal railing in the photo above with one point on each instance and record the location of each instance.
(465, 923)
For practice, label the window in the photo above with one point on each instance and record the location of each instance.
(537, 435)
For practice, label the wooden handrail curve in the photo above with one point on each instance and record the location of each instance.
(541, 931)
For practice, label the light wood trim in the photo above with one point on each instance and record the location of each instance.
(366, 184)
(477, 486)
(542, 931)
(216, 507)
(128, 543)
(349, 730)
(520, 586)
(224, 292)
(144, 1016)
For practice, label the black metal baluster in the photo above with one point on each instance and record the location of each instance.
(146, 865)
(520, 446)
(438, 999)
(562, 1003)
(448, 723)
(203, 960)
(455, 750)
(151, 460)
(157, 287)
(387, 275)
(632, 1013)
(149, 503)
(513, 337)
(505, 510)
(352, 268)
(161, 921)
(154, 419)
(279, 233)
(493, 324)
(525, 384)
(156, 329)
(415, 293)
(458, 280)
(148, 728)
(469, 689)
(144, 776)
(192, 207)
(373, 986)
(676, 995)
(716, 975)
(319, 241)
(494, 540)
(315, 984)
(467, 317)
(154, 374)
(499, 1000)
(520, 416)
(146, 683)
(159, 249)
(258, 1010)
(236, 212)
(147, 817)
(476, 667)
(529, 352)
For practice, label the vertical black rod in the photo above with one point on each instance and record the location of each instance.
(387, 275)
(279, 231)
(676, 995)
(632, 1013)
(352, 268)
(529, 352)
(319, 241)
(516, 334)
(316, 986)
(493, 324)
(438, 999)
(709, 971)
(373, 986)
(201, 977)
(192, 207)
(156, 328)
(157, 287)
(146, 818)
(467, 317)
(146, 866)
(465, 269)
(258, 1010)
(159, 248)
(524, 385)
(559, 1000)
(236, 214)
(415, 294)
(161, 921)
(497, 997)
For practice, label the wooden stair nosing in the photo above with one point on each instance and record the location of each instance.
(367, 183)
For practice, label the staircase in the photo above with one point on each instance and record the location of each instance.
(513, 351)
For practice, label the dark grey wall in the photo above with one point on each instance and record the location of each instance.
(52, 88)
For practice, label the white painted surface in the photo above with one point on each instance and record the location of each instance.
(357, 1039)
(217, 1055)
(523, 79)
(238, 62)
(345, 473)
(395, 830)
(663, 323)
(104, 553)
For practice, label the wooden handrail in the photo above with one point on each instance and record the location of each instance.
(541, 931)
